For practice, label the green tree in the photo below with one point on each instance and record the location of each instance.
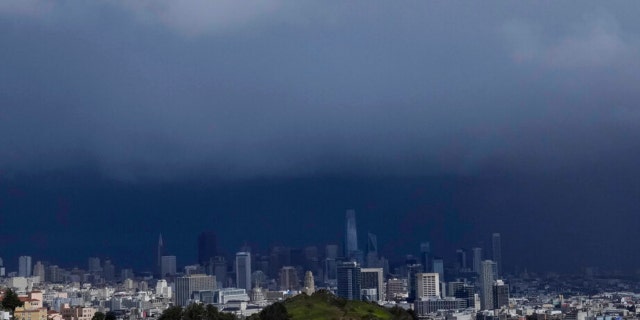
(194, 311)
(98, 316)
(110, 316)
(172, 313)
(227, 316)
(276, 311)
(11, 300)
(211, 313)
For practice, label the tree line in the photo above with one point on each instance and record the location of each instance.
(196, 311)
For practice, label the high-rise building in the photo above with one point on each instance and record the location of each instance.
(167, 266)
(38, 271)
(372, 243)
(329, 265)
(351, 234)
(186, 286)
(477, 259)
(425, 256)
(461, 259)
(109, 271)
(159, 254)
(438, 267)
(373, 278)
(349, 280)
(427, 285)
(289, 278)
(243, 270)
(24, 266)
(330, 270)
(487, 277)
(218, 268)
(500, 294)
(207, 247)
(372, 260)
(412, 270)
(53, 274)
(496, 251)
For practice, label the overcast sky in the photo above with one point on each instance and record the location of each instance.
(166, 89)
(169, 91)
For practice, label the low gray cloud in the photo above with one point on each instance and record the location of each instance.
(198, 17)
(596, 40)
(167, 89)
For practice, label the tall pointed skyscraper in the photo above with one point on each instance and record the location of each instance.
(496, 251)
(159, 254)
(351, 234)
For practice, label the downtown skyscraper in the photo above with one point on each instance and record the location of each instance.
(372, 243)
(243, 270)
(349, 281)
(496, 251)
(477, 259)
(372, 251)
(351, 235)
(24, 266)
(425, 256)
(159, 254)
(487, 277)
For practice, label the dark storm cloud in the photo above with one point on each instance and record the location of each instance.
(167, 89)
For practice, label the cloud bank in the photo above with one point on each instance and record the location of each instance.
(160, 89)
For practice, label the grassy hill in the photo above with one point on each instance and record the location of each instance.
(324, 305)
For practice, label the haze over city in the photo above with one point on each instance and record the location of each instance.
(265, 121)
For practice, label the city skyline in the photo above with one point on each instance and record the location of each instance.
(436, 122)
(419, 202)
(168, 262)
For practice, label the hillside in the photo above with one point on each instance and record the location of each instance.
(324, 305)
